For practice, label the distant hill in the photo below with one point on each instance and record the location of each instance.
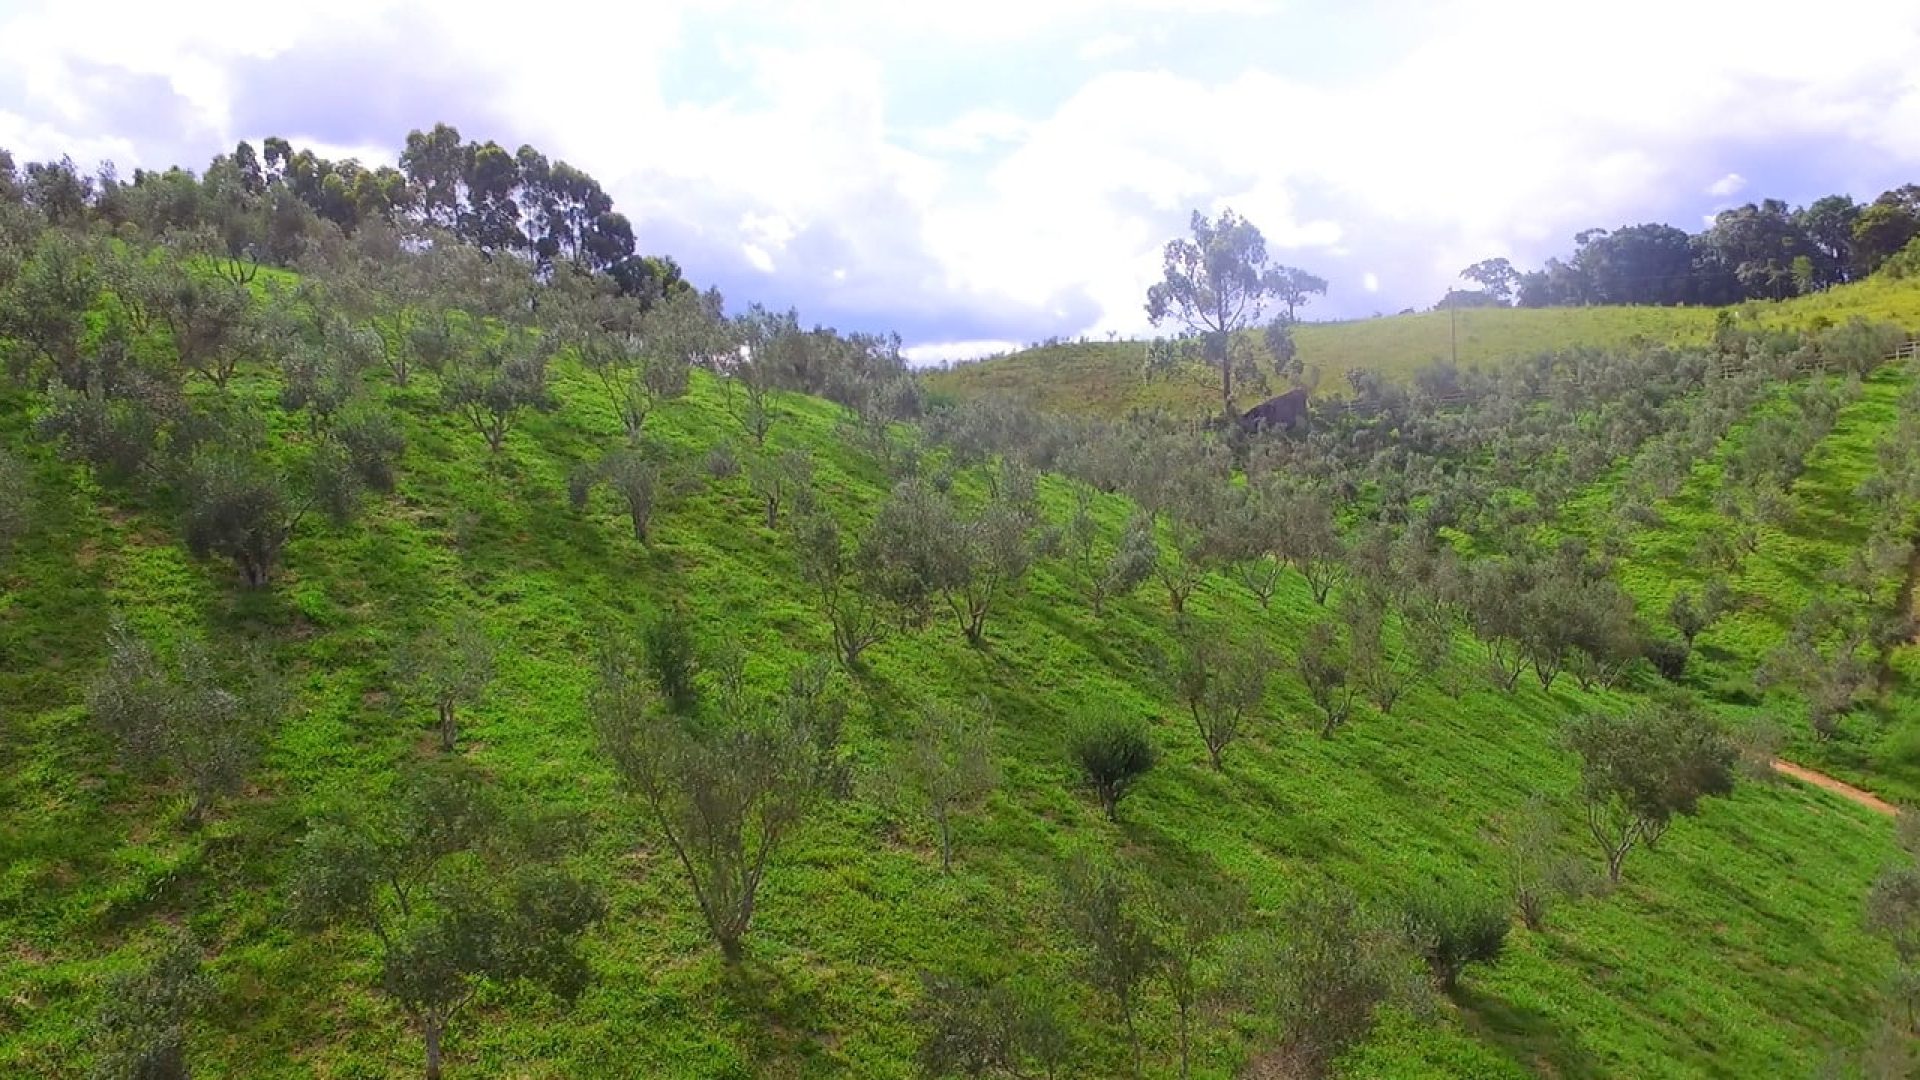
(1104, 378)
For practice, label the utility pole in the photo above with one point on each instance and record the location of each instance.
(1453, 325)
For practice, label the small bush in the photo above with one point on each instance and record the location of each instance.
(722, 462)
(1113, 751)
(1450, 931)
(671, 660)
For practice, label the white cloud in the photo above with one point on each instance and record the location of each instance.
(973, 131)
(1370, 281)
(1727, 185)
(943, 352)
(1102, 46)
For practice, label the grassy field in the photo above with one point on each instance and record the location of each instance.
(1734, 950)
(1104, 378)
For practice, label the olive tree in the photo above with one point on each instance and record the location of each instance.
(636, 478)
(182, 716)
(1106, 571)
(1451, 929)
(1383, 672)
(1536, 870)
(1222, 682)
(16, 501)
(43, 310)
(1691, 614)
(1640, 769)
(450, 666)
(635, 354)
(1113, 751)
(843, 577)
(1325, 979)
(1191, 919)
(1826, 659)
(1106, 911)
(213, 324)
(947, 767)
(240, 507)
(785, 478)
(930, 548)
(1012, 1027)
(492, 384)
(461, 893)
(1312, 542)
(1257, 529)
(1324, 665)
(724, 793)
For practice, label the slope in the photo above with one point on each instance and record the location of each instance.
(1104, 378)
(1733, 950)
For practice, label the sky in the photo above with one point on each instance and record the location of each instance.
(984, 174)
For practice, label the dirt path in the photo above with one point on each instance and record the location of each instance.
(1846, 791)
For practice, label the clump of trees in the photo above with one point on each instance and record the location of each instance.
(459, 890)
(1759, 251)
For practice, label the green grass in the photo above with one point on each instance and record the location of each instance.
(1104, 378)
(1876, 748)
(1734, 950)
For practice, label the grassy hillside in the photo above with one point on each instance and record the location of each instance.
(1733, 950)
(1822, 528)
(1104, 378)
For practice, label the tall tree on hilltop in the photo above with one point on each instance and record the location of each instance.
(1215, 287)
(1496, 277)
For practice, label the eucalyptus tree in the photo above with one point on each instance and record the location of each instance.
(1215, 289)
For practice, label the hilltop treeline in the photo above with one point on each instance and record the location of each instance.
(1759, 251)
(280, 203)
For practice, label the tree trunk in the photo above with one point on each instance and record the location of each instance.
(1615, 858)
(946, 845)
(433, 1050)
(1133, 1036)
(1184, 1054)
(449, 728)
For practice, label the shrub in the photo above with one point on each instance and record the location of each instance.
(672, 661)
(1450, 930)
(1113, 751)
(140, 1032)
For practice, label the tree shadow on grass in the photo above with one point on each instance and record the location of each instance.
(1528, 1036)
(784, 1020)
